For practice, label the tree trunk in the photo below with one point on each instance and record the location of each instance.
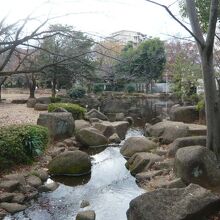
(31, 84)
(32, 87)
(212, 104)
(1, 83)
(0, 93)
(54, 83)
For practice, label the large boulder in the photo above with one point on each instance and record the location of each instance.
(140, 162)
(34, 181)
(186, 114)
(93, 113)
(109, 128)
(44, 100)
(86, 215)
(121, 128)
(167, 131)
(31, 102)
(114, 139)
(73, 163)
(197, 164)
(185, 142)
(91, 137)
(190, 203)
(12, 207)
(41, 107)
(137, 144)
(9, 185)
(79, 124)
(105, 127)
(60, 124)
(196, 130)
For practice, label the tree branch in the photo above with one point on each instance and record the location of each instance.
(212, 24)
(191, 9)
(200, 41)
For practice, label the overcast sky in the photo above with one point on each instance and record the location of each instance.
(102, 17)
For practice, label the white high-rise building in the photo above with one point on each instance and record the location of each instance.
(124, 36)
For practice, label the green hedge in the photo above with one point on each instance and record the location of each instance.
(130, 89)
(98, 88)
(19, 144)
(77, 92)
(77, 111)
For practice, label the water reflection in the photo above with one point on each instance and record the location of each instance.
(93, 150)
(72, 180)
(109, 190)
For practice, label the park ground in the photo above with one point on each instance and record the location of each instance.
(18, 113)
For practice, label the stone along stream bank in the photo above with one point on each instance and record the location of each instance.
(108, 189)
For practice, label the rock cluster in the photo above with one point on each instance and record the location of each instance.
(16, 190)
(190, 203)
(59, 124)
(166, 170)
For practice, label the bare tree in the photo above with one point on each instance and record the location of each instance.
(205, 45)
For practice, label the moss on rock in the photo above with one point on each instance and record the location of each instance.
(70, 163)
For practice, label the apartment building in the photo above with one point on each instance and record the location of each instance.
(124, 36)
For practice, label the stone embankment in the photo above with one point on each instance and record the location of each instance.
(168, 163)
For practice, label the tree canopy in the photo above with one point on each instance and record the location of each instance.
(69, 56)
(203, 12)
(143, 63)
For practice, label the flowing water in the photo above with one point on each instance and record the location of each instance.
(109, 189)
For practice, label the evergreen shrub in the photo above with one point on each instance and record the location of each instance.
(20, 144)
(77, 111)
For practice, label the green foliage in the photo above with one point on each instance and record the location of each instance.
(69, 53)
(117, 87)
(130, 89)
(143, 63)
(200, 105)
(21, 143)
(185, 78)
(77, 92)
(77, 111)
(202, 8)
(98, 88)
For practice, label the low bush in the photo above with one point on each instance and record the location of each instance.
(200, 106)
(19, 144)
(130, 89)
(77, 92)
(77, 111)
(98, 88)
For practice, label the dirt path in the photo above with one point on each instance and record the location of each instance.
(17, 114)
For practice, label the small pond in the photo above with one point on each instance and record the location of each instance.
(109, 189)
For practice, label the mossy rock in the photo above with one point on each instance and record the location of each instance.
(91, 137)
(135, 145)
(73, 163)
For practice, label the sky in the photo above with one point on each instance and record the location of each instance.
(101, 17)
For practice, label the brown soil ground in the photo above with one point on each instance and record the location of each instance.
(17, 113)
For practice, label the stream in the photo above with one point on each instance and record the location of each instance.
(109, 189)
